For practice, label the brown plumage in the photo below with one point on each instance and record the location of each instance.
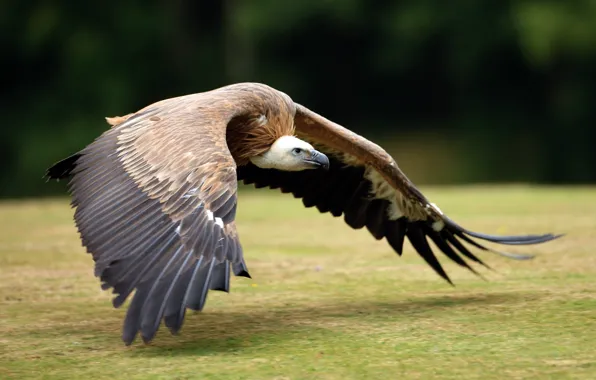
(156, 195)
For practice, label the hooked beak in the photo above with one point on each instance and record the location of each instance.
(319, 160)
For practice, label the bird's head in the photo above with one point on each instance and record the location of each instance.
(289, 153)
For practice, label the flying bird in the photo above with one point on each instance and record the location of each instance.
(156, 196)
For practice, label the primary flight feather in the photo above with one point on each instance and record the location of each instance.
(156, 195)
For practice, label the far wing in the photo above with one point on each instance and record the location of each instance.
(365, 185)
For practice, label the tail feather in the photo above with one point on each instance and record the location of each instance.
(62, 169)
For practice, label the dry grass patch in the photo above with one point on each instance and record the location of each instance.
(326, 302)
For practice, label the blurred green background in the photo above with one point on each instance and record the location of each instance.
(458, 91)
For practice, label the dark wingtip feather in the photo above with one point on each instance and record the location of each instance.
(449, 241)
(515, 240)
(452, 240)
(243, 273)
(240, 269)
(131, 325)
(199, 289)
(417, 237)
(448, 251)
(395, 233)
(63, 168)
(506, 240)
(221, 277)
(513, 256)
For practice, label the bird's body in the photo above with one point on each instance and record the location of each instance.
(156, 195)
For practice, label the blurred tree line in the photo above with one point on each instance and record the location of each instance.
(493, 90)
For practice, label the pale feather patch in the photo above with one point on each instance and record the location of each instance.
(382, 190)
(438, 225)
(399, 205)
(191, 193)
(217, 220)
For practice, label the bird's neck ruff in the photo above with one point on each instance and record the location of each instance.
(252, 135)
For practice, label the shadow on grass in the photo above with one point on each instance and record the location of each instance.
(224, 331)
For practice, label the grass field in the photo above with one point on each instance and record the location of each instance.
(325, 302)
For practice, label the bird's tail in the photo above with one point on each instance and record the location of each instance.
(63, 169)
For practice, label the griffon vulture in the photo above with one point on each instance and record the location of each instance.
(156, 195)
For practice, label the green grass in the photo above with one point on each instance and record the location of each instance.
(325, 302)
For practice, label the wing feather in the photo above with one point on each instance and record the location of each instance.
(365, 185)
(156, 199)
(177, 302)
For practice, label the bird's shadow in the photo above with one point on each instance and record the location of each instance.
(218, 331)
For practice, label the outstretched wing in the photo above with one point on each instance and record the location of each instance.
(365, 185)
(155, 200)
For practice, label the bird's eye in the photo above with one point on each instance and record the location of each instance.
(296, 150)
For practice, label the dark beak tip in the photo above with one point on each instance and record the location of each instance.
(322, 160)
